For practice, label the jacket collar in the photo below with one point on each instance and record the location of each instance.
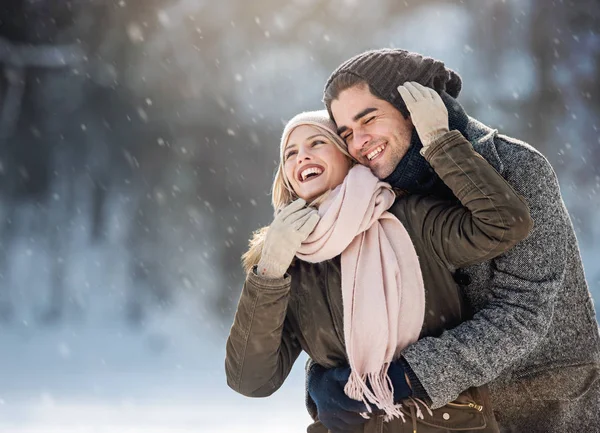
(482, 137)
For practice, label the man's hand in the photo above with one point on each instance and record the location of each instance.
(286, 233)
(397, 375)
(427, 111)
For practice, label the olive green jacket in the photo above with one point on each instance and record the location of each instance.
(278, 318)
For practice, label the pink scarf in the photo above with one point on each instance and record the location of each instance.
(382, 285)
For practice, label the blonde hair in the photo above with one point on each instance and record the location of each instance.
(282, 192)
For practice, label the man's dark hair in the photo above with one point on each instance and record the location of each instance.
(344, 81)
(386, 69)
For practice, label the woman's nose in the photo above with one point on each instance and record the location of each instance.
(303, 154)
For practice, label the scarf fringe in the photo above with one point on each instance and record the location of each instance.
(356, 388)
(382, 394)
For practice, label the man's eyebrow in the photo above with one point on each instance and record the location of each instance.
(341, 129)
(363, 113)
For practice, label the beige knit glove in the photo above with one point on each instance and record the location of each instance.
(286, 233)
(427, 111)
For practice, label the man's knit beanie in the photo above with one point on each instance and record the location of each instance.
(386, 69)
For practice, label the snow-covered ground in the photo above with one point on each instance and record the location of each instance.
(114, 380)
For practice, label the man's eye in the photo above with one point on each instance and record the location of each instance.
(347, 137)
(369, 119)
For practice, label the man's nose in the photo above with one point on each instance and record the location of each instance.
(360, 140)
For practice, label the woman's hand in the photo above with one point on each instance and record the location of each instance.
(335, 410)
(289, 229)
(427, 111)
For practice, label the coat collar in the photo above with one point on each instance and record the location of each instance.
(482, 137)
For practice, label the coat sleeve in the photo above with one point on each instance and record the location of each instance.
(261, 347)
(523, 285)
(490, 218)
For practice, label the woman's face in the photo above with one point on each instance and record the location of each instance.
(312, 162)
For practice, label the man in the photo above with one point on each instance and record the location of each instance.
(533, 336)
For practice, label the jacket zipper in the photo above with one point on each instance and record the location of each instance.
(332, 308)
(477, 407)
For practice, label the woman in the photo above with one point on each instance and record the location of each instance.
(355, 295)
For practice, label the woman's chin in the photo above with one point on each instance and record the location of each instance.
(310, 196)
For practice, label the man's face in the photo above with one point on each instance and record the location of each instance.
(376, 133)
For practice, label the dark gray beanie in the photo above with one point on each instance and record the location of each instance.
(386, 69)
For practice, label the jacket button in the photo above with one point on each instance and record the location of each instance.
(446, 416)
(461, 278)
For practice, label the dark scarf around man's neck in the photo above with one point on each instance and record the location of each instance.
(413, 173)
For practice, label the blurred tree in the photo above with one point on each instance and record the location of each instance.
(170, 113)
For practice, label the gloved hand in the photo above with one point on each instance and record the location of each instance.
(427, 111)
(286, 233)
(336, 411)
(397, 375)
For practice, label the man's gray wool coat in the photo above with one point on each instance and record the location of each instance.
(534, 337)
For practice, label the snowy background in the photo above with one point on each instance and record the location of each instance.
(138, 140)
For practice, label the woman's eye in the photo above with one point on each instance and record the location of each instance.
(316, 142)
(290, 153)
